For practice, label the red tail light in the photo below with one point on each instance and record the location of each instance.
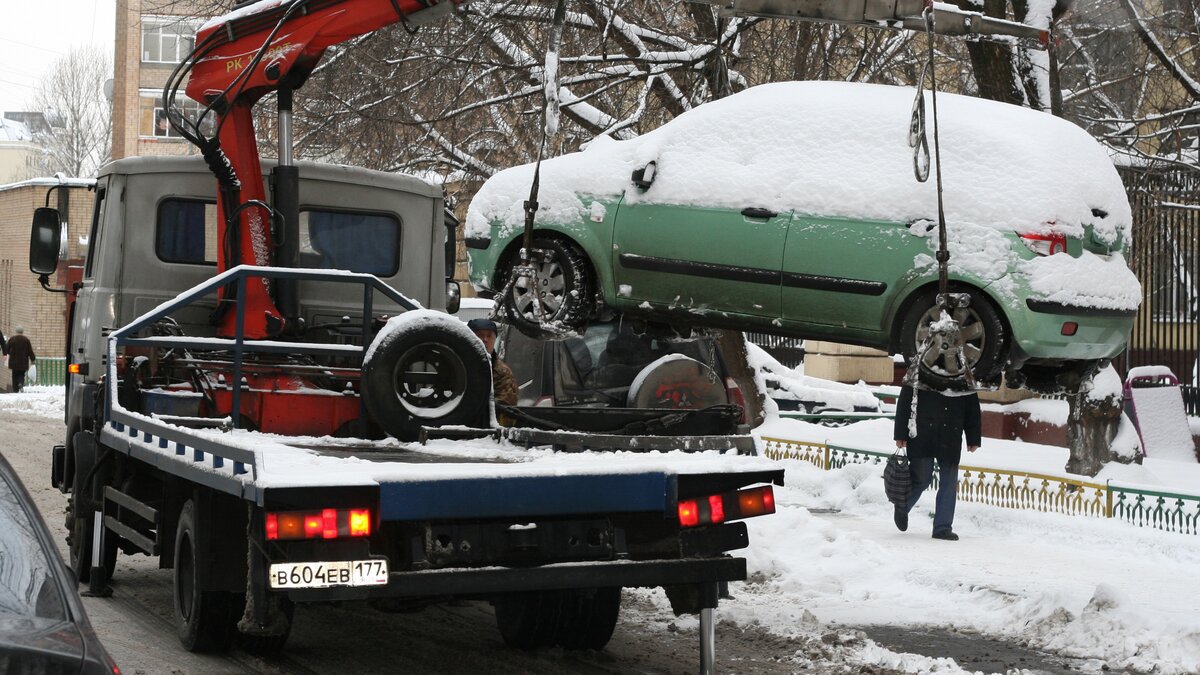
(322, 524)
(716, 509)
(736, 397)
(1045, 244)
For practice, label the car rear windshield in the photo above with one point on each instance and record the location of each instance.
(602, 364)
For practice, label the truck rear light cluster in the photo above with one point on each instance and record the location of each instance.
(1045, 244)
(323, 524)
(716, 509)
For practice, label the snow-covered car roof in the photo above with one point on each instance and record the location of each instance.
(838, 149)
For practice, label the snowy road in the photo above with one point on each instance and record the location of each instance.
(832, 583)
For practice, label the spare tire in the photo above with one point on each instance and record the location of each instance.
(425, 368)
(677, 381)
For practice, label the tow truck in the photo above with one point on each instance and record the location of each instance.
(246, 374)
(236, 425)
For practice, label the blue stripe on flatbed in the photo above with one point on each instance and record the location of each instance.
(474, 498)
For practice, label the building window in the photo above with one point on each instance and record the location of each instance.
(167, 39)
(152, 115)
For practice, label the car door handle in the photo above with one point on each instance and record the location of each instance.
(756, 212)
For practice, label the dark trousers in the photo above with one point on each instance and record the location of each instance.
(921, 470)
(18, 380)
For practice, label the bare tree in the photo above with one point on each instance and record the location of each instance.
(80, 116)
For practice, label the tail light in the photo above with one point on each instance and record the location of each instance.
(1045, 244)
(722, 508)
(736, 397)
(322, 524)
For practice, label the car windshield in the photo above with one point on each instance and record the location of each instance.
(27, 584)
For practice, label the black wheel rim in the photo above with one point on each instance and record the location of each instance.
(547, 288)
(939, 358)
(430, 380)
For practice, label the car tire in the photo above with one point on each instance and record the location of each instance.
(460, 370)
(205, 620)
(565, 289)
(984, 334)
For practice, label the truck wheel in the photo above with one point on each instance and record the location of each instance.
(563, 290)
(204, 620)
(82, 520)
(427, 374)
(267, 645)
(984, 335)
(588, 618)
(528, 620)
(573, 619)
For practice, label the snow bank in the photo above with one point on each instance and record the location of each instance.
(782, 383)
(818, 147)
(42, 401)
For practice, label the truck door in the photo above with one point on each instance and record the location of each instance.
(84, 340)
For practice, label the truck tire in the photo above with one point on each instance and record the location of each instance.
(205, 620)
(82, 520)
(427, 375)
(572, 619)
(267, 645)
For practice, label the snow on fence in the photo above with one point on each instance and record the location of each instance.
(1168, 511)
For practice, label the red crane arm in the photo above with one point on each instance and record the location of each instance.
(241, 57)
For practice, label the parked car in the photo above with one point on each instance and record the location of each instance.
(792, 209)
(43, 627)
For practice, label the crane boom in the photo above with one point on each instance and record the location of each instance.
(259, 48)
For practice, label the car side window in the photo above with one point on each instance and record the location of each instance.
(28, 587)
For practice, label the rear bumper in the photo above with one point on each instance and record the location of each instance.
(1038, 333)
(493, 580)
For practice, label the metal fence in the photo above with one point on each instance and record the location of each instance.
(51, 370)
(1168, 511)
(788, 351)
(1166, 259)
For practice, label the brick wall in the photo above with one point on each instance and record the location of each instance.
(23, 302)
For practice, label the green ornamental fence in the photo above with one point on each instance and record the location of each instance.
(1168, 511)
(51, 370)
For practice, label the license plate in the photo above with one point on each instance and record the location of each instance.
(330, 573)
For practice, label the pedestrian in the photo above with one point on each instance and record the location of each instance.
(20, 356)
(942, 420)
(3, 344)
(504, 384)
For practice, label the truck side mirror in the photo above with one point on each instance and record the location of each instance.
(45, 241)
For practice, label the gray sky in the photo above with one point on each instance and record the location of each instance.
(36, 33)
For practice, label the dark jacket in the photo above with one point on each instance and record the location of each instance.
(20, 352)
(941, 422)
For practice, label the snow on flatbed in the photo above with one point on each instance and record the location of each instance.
(284, 461)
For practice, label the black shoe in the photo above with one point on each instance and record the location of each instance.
(901, 518)
(948, 535)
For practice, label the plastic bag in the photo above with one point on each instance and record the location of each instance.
(897, 481)
(31, 374)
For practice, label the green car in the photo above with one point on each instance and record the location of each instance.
(793, 209)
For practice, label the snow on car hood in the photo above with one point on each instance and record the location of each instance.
(837, 149)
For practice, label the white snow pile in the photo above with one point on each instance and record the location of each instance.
(1103, 591)
(820, 147)
(42, 401)
(782, 383)
(1104, 282)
